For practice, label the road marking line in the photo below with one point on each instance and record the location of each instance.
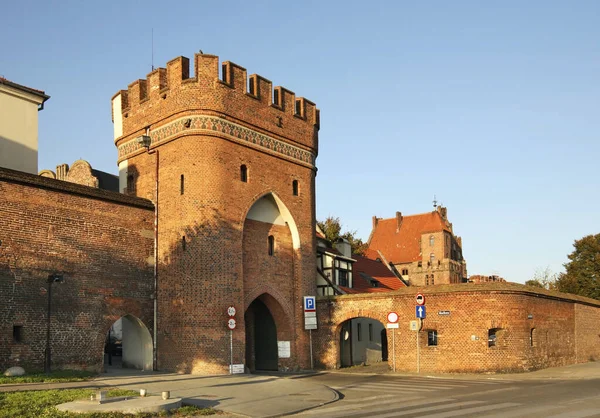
(410, 402)
(325, 411)
(398, 413)
(471, 410)
(522, 412)
(577, 414)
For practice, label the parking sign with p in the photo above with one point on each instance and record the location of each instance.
(309, 304)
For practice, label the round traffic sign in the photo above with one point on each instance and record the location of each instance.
(392, 317)
(231, 323)
(420, 298)
(231, 311)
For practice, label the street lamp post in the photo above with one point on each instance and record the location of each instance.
(52, 278)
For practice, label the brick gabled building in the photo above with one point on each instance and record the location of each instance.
(422, 247)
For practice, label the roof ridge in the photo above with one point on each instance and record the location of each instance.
(410, 216)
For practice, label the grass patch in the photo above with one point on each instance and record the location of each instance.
(59, 376)
(34, 404)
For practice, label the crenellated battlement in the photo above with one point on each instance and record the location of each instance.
(209, 90)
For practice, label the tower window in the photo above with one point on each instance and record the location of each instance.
(183, 243)
(295, 187)
(271, 242)
(131, 183)
(431, 258)
(244, 173)
(181, 184)
(431, 240)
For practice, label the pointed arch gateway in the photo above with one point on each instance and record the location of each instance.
(129, 344)
(270, 241)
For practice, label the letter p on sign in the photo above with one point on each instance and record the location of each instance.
(309, 304)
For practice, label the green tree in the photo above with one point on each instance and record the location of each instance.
(533, 283)
(543, 278)
(332, 228)
(583, 271)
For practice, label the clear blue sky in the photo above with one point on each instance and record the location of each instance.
(495, 109)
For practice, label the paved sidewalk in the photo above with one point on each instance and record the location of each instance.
(246, 395)
(257, 395)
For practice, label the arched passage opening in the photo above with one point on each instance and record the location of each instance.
(362, 341)
(128, 344)
(268, 335)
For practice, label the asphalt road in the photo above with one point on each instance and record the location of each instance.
(385, 396)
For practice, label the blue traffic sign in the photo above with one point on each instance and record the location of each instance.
(309, 304)
(420, 311)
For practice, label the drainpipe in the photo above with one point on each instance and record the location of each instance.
(155, 322)
(146, 141)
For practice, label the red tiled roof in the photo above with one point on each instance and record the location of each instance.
(403, 246)
(23, 88)
(378, 271)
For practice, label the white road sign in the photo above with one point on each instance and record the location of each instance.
(231, 311)
(231, 323)
(392, 317)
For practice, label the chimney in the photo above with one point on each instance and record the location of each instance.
(375, 221)
(61, 171)
(343, 246)
(398, 221)
(443, 212)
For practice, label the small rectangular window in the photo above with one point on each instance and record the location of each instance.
(182, 185)
(295, 187)
(432, 338)
(343, 278)
(359, 331)
(17, 333)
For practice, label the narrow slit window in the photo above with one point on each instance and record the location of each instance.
(271, 244)
(17, 333)
(183, 243)
(182, 184)
(244, 173)
(295, 187)
(532, 339)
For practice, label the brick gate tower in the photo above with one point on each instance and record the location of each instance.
(230, 164)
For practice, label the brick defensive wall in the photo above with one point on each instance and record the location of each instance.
(100, 241)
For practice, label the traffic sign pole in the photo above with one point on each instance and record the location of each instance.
(230, 351)
(311, 351)
(394, 348)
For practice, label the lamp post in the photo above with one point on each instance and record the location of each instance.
(146, 141)
(52, 278)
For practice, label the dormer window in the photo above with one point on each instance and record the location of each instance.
(374, 283)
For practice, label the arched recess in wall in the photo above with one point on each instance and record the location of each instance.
(268, 334)
(361, 340)
(270, 208)
(128, 344)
